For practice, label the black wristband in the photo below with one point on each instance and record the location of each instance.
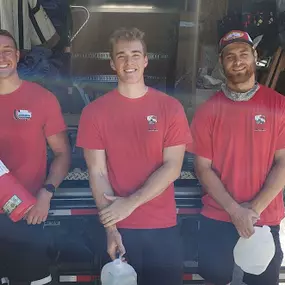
(50, 188)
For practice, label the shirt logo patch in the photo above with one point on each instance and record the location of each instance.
(152, 121)
(23, 115)
(260, 120)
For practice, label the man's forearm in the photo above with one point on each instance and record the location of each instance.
(58, 169)
(156, 184)
(100, 185)
(274, 184)
(215, 188)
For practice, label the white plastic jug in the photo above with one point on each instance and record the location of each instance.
(118, 272)
(253, 255)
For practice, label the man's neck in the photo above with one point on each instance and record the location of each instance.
(9, 85)
(241, 87)
(240, 92)
(132, 91)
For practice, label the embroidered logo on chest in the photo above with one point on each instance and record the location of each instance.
(260, 121)
(23, 115)
(152, 123)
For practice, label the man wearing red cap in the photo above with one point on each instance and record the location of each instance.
(239, 143)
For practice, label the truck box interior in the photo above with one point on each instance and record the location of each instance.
(182, 38)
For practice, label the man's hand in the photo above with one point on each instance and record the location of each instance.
(120, 209)
(39, 212)
(114, 243)
(244, 218)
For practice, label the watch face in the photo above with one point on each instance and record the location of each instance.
(50, 188)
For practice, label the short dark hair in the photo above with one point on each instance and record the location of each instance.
(8, 35)
(127, 34)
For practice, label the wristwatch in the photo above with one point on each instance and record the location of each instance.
(50, 188)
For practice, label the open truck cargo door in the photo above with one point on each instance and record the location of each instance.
(182, 37)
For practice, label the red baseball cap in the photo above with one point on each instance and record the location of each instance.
(234, 37)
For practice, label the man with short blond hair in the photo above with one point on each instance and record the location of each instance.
(134, 141)
(125, 34)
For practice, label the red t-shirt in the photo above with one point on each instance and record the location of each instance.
(241, 139)
(134, 132)
(23, 141)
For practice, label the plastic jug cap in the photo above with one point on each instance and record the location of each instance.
(253, 255)
(117, 262)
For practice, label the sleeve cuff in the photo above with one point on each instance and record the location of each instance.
(90, 146)
(202, 153)
(55, 132)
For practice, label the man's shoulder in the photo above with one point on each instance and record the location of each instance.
(38, 96)
(36, 90)
(165, 100)
(271, 93)
(100, 103)
(33, 86)
(210, 102)
(272, 98)
(160, 95)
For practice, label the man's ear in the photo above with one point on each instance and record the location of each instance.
(112, 64)
(18, 55)
(220, 59)
(145, 61)
(255, 54)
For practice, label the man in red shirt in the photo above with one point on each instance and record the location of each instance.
(134, 140)
(239, 142)
(30, 116)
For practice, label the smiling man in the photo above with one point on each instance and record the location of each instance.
(134, 141)
(30, 117)
(239, 142)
